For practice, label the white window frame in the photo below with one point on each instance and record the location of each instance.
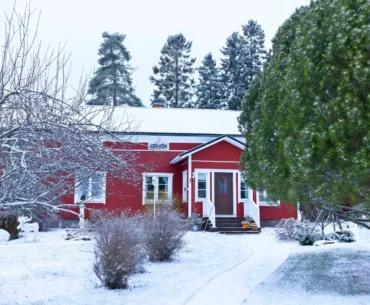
(89, 199)
(240, 199)
(170, 181)
(185, 190)
(207, 173)
(266, 203)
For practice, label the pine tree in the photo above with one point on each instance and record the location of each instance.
(209, 89)
(112, 81)
(173, 77)
(242, 61)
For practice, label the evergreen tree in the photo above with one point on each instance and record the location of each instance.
(209, 90)
(307, 117)
(242, 60)
(253, 52)
(173, 77)
(112, 81)
(232, 72)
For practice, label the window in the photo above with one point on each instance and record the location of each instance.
(157, 187)
(90, 189)
(243, 191)
(201, 185)
(264, 200)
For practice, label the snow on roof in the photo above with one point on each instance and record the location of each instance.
(166, 120)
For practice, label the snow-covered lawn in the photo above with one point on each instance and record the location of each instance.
(337, 274)
(212, 269)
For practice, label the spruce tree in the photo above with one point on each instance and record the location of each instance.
(231, 65)
(242, 60)
(112, 81)
(253, 53)
(209, 89)
(173, 77)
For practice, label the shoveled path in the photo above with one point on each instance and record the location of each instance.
(231, 286)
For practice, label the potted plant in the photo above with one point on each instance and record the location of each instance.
(196, 222)
(248, 223)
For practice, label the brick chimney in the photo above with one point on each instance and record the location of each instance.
(158, 103)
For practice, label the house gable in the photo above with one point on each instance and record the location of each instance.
(221, 151)
(222, 147)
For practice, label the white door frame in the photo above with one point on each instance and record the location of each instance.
(234, 173)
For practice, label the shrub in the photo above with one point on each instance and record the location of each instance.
(345, 236)
(9, 222)
(118, 250)
(164, 235)
(307, 234)
(47, 220)
(287, 229)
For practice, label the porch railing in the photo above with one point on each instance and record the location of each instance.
(252, 209)
(209, 211)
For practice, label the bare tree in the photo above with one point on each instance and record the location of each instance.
(46, 135)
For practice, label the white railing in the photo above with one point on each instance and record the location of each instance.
(209, 211)
(252, 209)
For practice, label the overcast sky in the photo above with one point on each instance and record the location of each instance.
(147, 23)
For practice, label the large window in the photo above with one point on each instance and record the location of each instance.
(157, 187)
(202, 185)
(90, 189)
(264, 199)
(243, 189)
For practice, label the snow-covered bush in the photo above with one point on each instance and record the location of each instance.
(9, 222)
(46, 219)
(307, 234)
(287, 229)
(28, 229)
(345, 236)
(163, 235)
(118, 251)
(4, 235)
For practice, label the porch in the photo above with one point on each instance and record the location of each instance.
(214, 188)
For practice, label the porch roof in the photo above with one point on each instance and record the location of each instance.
(198, 148)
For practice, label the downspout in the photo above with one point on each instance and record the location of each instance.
(189, 187)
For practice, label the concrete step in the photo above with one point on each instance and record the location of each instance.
(238, 232)
(231, 229)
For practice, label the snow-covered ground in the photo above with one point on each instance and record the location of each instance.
(212, 269)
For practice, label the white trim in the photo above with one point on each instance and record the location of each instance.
(101, 200)
(201, 171)
(212, 142)
(213, 161)
(190, 199)
(185, 138)
(185, 186)
(249, 190)
(156, 174)
(234, 172)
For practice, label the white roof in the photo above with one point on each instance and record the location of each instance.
(166, 120)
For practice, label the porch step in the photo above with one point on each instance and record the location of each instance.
(232, 230)
(231, 225)
(229, 222)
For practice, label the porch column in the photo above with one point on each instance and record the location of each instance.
(190, 175)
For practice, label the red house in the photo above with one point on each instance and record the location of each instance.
(188, 156)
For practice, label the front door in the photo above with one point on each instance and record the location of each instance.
(224, 193)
